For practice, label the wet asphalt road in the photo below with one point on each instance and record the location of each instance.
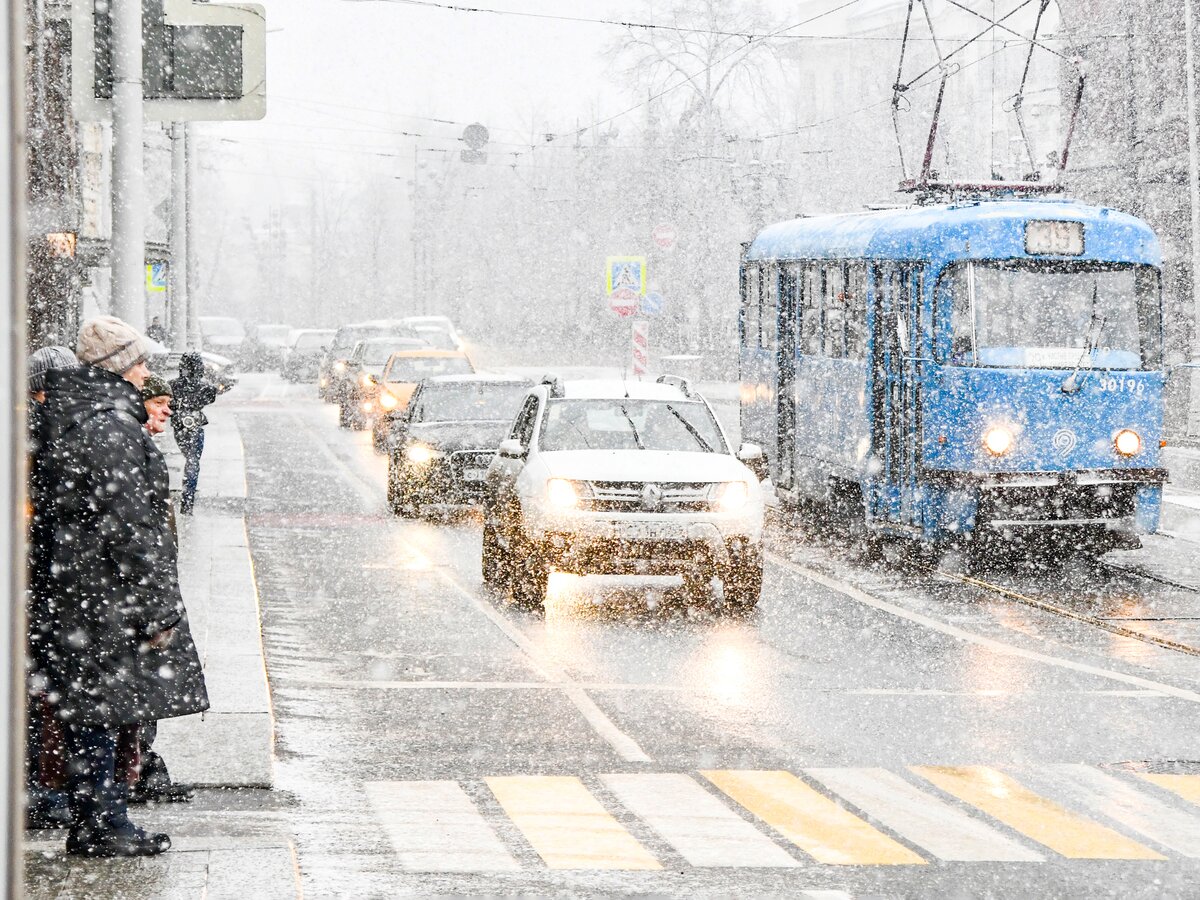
(868, 730)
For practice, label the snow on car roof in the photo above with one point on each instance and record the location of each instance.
(604, 389)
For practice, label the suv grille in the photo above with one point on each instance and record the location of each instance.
(649, 496)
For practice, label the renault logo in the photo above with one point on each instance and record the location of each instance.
(652, 498)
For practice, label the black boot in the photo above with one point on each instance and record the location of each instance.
(126, 842)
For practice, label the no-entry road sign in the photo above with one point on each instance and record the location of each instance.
(624, 302)
(664, 235)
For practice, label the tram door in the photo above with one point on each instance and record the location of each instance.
(784, 283)
(896, 437)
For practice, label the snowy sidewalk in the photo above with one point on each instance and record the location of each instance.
(232, 744)
(225, 844)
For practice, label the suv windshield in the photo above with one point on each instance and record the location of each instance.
(624, 424)
(1052, 315)
(408, 369)
(273, 333)
(469, 402)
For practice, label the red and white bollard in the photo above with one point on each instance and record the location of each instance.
(640, 347)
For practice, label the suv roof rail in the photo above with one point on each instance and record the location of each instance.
(554, 382)
(677, 381)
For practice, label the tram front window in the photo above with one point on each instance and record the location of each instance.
(1052, 315)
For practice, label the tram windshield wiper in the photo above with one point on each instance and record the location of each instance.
(1072, 383)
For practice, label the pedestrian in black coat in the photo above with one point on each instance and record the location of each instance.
(107, 623)
(191, 392)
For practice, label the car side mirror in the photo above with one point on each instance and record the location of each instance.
(511, 449)
(750, 453)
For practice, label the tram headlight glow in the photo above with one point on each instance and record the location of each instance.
(998, 440)
(1127, 442)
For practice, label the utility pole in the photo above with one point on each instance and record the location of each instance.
(178, 324)
(191, 264)
(1189, 40)
(128, 188)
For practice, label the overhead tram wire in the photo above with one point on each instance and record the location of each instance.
(647, 26)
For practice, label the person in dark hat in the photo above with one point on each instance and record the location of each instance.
(107, 620)
(156, 394)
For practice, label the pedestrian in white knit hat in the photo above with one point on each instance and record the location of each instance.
(115, 346)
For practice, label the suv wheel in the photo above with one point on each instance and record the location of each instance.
(530, 573)
(742, 581)
(397, 494)
(495, 566)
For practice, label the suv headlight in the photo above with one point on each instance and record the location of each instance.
(421, 455)
(731, 496)
(388, 400)
(366, 380)
(562, 494)
(339, 366)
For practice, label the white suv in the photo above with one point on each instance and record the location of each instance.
(615, 478)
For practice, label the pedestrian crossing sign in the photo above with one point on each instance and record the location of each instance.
(156, 277)
(626, 272)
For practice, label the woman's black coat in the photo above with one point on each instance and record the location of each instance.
(104, 577)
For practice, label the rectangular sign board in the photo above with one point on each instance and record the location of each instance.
(201, 61)
(626, 273)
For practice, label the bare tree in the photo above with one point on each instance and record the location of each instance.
(704, 54)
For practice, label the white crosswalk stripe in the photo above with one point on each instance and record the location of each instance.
(434, 827)
(1132, 806)
(701, 828)
(944, 830)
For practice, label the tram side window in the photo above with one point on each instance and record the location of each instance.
(835, 312)
(770, 306)
(856, 311)
(810, 311)
(751, 313)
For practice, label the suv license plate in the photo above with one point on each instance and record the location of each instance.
(474, 474)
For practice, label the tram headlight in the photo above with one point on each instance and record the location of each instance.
(1127, 442)
(998, 440)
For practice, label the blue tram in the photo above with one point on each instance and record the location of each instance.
(955, 372)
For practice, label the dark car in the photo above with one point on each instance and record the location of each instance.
(335, 361)
(440, 449)
(302, 358)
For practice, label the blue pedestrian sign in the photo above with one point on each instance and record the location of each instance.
(156, 277)
(652, 304)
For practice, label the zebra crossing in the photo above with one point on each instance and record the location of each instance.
(916, 816)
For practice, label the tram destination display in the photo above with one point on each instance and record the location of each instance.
(1053, 238)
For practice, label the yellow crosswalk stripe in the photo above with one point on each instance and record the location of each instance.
(566, 825)
(1186, 786)
(1006, 799)
(810, 820)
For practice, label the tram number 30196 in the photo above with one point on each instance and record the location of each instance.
(1116, 384)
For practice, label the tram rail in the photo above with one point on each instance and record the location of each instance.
(1086, 618)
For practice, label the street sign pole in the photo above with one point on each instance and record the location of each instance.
(128, 187)
(191, 272)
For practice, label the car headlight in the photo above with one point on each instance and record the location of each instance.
(388, 400)
(732, 496)
(367, 379)
(367, 406)
(339, 366)
(1127, 442)
(561, 494)
(998, 440)
(420, 455)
